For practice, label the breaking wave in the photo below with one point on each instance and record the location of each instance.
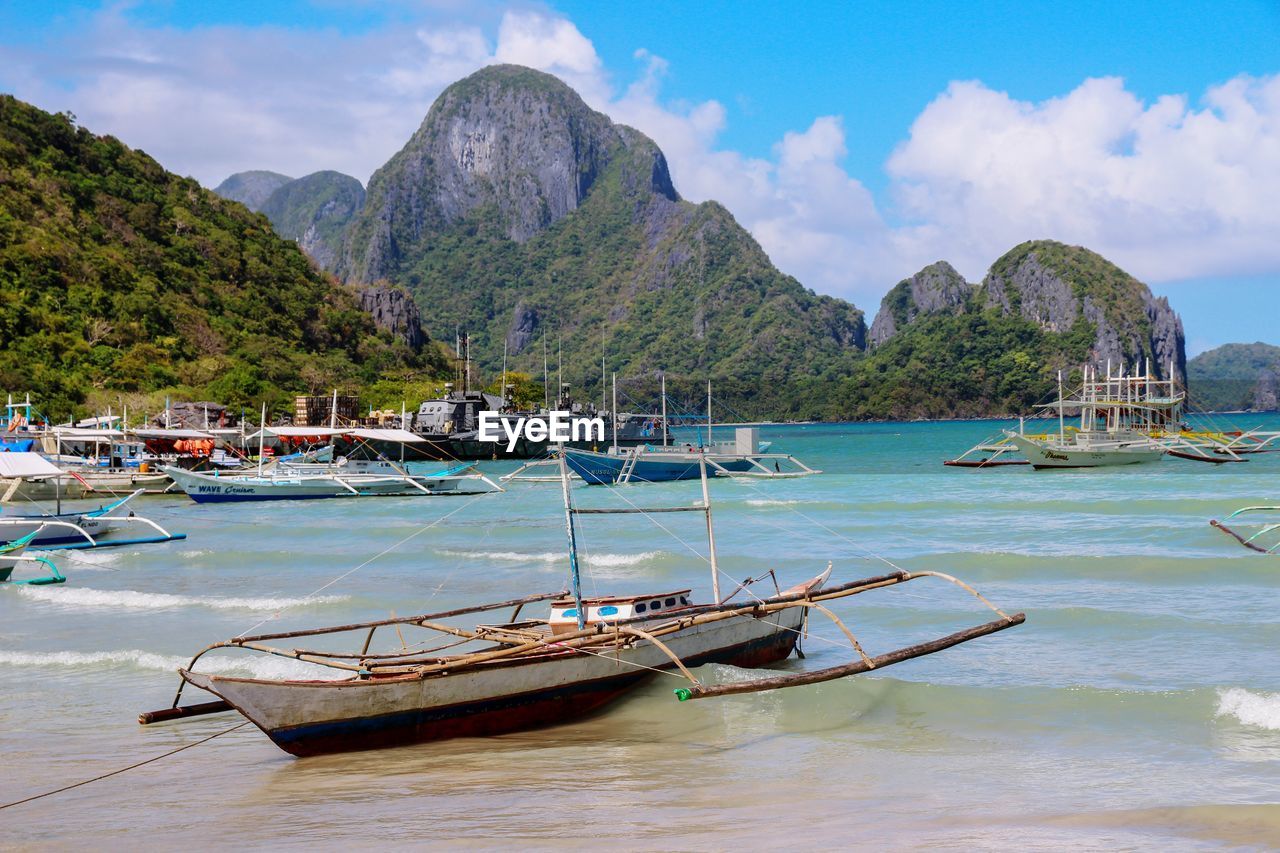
(771, 502)
(1252, 709)
(254, 667)
(608, 561)
(125, 598)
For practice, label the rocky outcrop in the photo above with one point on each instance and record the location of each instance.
(515, 205)
(1266, 394)
(508, 139)
(937, 289)
(1056, 286)
(314, 211)
(524, 321)
(394, 311)
(252, 188)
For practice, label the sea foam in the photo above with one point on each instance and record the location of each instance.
(97, 599)
(255, 667)
(1252, 709)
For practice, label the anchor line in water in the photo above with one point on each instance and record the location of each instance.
(117, 772)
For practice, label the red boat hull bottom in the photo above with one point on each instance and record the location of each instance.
(501, 716)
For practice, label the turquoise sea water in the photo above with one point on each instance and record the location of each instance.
(1139, 704)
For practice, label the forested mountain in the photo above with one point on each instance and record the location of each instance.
(949, 349)
(517, 212)
(315, 211)
(253, 188)
(120, 279)
(1236, 376)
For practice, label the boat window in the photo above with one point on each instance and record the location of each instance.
(670, 602)
(641, 607)
(654, 605)
(684, 600)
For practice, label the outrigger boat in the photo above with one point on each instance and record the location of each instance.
(12, 557)
(1124, 420)
(1263, 537)
(342, 478)
(105, 527)
(745, 456)
(525, 673)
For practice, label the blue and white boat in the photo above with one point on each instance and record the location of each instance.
(107, 526)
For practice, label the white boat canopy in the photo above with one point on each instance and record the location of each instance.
(400, 436)
(171, 433)
(87, 434)
(27, 465)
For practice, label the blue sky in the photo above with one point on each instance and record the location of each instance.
(858, 141)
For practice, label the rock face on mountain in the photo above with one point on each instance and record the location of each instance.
(251, 188)
(1235, 376)
(1056, 286)
(936, 289)
(394, 311)
(1266, 394)
(314, 211)
(516, 211)
(520, 144)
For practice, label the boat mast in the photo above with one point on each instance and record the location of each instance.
(262, 437)
(504, 373)
(546, 381)
(665, 437)
(614, 419)
(333, 411)
(711, 533)
(575, 578)
(1062, 432)
(708, 413)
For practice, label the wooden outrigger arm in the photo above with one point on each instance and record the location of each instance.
(864, 663)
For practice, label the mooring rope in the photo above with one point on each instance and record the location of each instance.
(99, 778)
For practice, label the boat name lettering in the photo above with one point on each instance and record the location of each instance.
(557, 427)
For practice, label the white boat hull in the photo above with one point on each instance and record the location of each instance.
(1045, 455)
(210, 488)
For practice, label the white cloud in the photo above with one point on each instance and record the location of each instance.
(1165, 188)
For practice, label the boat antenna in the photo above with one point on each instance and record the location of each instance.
(546, 381)
(559, 366)
(614, 419)
(711, 533)
(575, 577)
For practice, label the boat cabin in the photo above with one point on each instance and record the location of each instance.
(564, 613)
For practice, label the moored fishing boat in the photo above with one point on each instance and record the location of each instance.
(518, 674)
(107, 526)
(1124, 419)
(341, 478)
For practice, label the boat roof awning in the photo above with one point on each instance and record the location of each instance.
(87, 434)
(172, 433)
(26, 464)
(400, 436)
(301, 432)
